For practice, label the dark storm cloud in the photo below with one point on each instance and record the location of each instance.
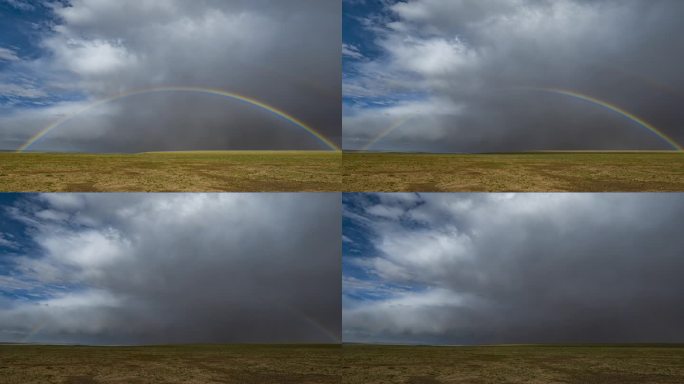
(282, 53)
(530, 268)
(183, 268)
(489, 60)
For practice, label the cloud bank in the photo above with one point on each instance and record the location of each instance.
(171, 268)
(472, 76)
(527, 268)
(282, 53)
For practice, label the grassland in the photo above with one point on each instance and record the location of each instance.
(197, 171)
(538, 172)
(513, 364)
(243, 364)
(352, 364)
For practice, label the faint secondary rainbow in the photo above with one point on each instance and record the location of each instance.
(311, 321)
(615, 109)
(37, 328)
(210, 91)
(299, 314)
(386, 132)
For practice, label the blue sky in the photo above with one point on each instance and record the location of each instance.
(353, 31)
(357, 38)
(13, 236)
(358, 249)
(362, 286)
(18, 246)
(21, 28)
(23, 25)
(485, 76)
(362, 26)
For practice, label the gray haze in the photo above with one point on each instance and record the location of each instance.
(282, 53)
(465, 72)
(173, 268)
(526, 268)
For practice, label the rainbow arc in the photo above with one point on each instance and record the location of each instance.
(219, 92)
(613, 108)
(385, 132)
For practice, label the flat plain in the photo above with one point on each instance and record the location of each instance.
(243, 364)
(532, 172)
(618, 364)
(193, 171)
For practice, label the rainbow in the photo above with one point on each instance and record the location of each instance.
(386, 132)
(37, 328)
(311, 321)
(297, 313)
(210, 91)
(615, 109)
(574, 94)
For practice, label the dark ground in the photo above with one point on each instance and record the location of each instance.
(195, 171)
(530, 172)
(239, 364)
(633, 364)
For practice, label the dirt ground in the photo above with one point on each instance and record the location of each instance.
(233, 171)
(533, 172)
(239, 364)
(513, 364)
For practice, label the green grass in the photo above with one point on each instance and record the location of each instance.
(196, 171)
(364, 364)
(239, 364)
(538, 172)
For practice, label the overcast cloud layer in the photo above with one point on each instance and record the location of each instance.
(526, 268)
(170, 268)
(282, 53)
(469, 76)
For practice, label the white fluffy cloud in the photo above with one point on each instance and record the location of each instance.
(351, 51)
(95, 57)
(7, 54)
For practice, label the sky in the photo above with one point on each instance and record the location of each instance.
(59, 57)
(134, 268)
(495, 268)
(518, 75)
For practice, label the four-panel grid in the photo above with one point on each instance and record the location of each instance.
(355, 191)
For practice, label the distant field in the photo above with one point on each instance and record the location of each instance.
(239, 364)
(513, 364)
(249, 171)
(542, 171)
